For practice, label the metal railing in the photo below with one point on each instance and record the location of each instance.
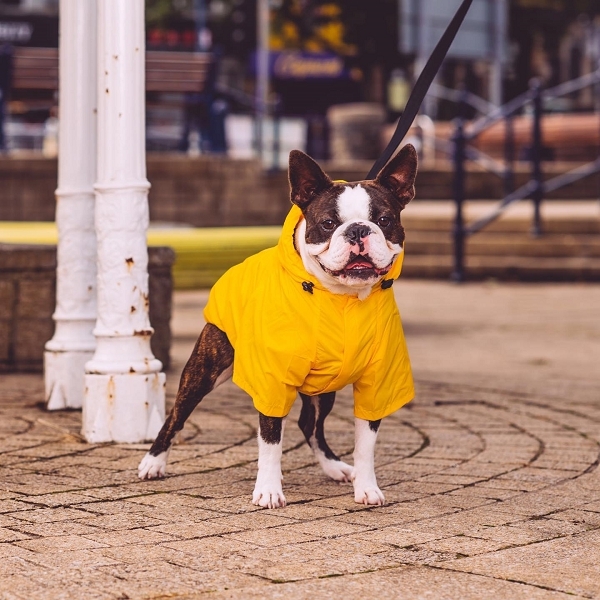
(536, 188)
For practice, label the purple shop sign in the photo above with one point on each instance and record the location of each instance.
(305, 65)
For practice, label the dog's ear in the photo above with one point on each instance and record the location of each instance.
(307, 179)
(399, 174)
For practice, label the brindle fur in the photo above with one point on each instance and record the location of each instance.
(313, 426)
(391, 191)
(212, 355)
(374, 425)
(270, 428)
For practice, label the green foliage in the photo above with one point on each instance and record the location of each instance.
(159, 12)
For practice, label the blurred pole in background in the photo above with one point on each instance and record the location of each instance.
(202, 40)
(262, 74)
(424, 47)
(482, 39)
(500, 8)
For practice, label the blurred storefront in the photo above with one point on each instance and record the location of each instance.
(555, 40)
(330, 52)
(29, 23)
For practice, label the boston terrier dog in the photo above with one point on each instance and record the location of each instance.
(308, 317)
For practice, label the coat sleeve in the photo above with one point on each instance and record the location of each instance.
(386, 384)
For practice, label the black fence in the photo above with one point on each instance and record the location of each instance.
(536, 188)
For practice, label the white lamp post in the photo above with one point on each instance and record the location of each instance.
(73, 342)
(124, 397)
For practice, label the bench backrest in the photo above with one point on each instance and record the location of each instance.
(37, 69)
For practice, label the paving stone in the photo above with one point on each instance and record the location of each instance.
(569, 565)
(310, 511)
(48, 515)
(59, 528)
(111, 507)
(401, 537)
(535, 503)
(324, 528)
(589, 518)
(272, 538)
(479, 490)
(8, 521)
(463, 545)
(10, 504)
(134, 554)
(57, 500)
(214, 546)
(217, 526)
(9, 535)
(58, 543)
(126, 537)
(114, 522)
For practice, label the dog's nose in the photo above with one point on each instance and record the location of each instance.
(357, 232)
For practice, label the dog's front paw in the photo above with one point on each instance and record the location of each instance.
(268, 495)
(338, 470)
(368, 494)
(153, 467)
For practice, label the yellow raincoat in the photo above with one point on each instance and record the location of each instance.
(290, 337)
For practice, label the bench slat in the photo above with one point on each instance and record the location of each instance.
(179, 87)
(26, 83)
(174, 75)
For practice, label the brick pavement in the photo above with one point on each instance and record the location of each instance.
(490, 475)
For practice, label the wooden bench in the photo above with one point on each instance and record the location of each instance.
(35, 74)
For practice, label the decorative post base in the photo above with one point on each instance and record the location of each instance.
(123, 408)
(64, 378)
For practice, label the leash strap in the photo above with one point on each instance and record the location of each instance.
(421, 88)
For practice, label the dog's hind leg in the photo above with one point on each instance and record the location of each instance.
(209, 365)
(312, 423)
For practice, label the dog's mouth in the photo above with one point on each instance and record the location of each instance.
(359, 267)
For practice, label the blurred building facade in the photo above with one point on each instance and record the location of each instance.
(328, 52)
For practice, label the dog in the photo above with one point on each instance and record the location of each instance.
(308, 317)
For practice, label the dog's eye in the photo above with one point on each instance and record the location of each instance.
(384, 222)
(328, 225)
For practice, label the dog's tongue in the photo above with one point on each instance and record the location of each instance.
(359, 263)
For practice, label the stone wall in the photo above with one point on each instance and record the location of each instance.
(28, 297)
(210, 191)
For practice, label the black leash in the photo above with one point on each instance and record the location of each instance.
(421, 87)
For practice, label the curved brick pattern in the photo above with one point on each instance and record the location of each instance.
(490, 476)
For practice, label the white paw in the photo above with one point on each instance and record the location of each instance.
(338, 470)
(153, 467)
(268, 495)
(368, 494)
